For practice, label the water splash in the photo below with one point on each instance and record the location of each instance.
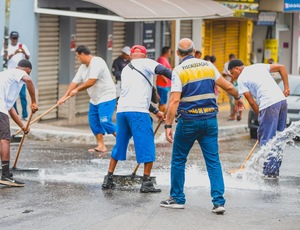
(274, 148)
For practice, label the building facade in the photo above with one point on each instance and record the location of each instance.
(52, 29)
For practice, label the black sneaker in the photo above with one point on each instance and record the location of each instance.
(9, 180)
(218, 209)
(171, 203)
(108, 182)
(148, 186)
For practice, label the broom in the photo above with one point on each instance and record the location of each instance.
(133, 178)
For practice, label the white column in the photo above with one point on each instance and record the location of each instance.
(295, 44)
(177, 38)
(2, 24)
(197, 33)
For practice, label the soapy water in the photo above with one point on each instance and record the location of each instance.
(273, 149)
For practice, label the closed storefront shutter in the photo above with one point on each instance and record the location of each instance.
(118, 39)
(222, 37)
(186, 29)
(218, 43)
(48, 63)
(207, 38)
(232, 39)
(86, 34)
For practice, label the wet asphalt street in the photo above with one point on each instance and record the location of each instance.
(65, 193)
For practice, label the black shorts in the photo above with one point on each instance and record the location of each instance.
(4, 127)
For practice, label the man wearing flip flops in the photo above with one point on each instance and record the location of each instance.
(96, 79)
(11, 82)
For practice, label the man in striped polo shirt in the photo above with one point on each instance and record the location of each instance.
(194, 103)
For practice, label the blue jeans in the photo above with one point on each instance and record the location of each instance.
(23, 102)
(206, 133)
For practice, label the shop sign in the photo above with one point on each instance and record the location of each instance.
(291, 5)
(266, 18)
(241, 8)
(149, 38)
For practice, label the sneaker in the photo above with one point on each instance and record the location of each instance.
(219, 209)
(148, 186)
(171, 203)
(9, 180)
(108, 182)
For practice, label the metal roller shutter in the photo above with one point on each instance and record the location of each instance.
(232, 39)
(222, 39)
(86, 34)
(118, 39)
(48, 64)
(186, 29)
(207, 38)
(218, 43)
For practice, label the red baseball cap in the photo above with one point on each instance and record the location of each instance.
(141, 48)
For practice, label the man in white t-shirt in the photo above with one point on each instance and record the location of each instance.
(96, 78)
(11, 82)
(133, 117)
(267, 100)
(15, 52)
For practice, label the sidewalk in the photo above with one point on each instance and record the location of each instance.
(81, 134)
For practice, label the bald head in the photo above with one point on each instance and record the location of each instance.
(185, 47)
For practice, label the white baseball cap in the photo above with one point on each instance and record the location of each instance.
(126, 50)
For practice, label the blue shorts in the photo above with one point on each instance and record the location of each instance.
(163, 93)
(100, 117)
(271, 119)
(139, 126)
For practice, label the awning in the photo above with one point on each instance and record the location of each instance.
(147, 10)
(164, 9)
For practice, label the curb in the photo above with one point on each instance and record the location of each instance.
(83, 137)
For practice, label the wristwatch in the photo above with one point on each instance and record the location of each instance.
(155, 111)
(168, 126)
(238, 98)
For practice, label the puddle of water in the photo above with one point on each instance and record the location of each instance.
(195, 176)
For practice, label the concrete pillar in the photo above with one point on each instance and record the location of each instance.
(104, 29)
(295, 44)
(177, 38)
(24, 20)
(197, 34)
(2, 24)
(66, 67)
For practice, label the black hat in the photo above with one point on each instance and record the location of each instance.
(25, 64)
(234, 63)
(14, 34)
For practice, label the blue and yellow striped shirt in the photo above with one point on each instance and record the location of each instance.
(195, 79)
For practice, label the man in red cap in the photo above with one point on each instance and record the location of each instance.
(133, 117)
